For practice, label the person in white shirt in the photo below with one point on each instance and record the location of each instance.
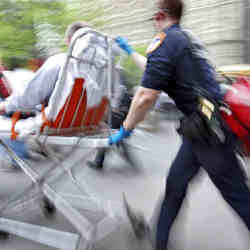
(35, 92)
(39, 88)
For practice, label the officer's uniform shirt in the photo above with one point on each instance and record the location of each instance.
(39, 89)
(170, 68)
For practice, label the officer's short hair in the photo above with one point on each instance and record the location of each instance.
(72, 28)
(173, 7)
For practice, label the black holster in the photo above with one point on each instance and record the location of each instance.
(199, 127)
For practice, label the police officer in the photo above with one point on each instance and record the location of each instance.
(173, 67)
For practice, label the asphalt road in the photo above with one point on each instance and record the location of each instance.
(206, 222)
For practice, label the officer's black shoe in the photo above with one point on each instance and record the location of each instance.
(139, 225)
(95, 165)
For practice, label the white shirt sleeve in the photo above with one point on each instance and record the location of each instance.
(39, 89)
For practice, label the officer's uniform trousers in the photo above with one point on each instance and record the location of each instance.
(223, 169)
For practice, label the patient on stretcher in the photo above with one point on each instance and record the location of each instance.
(44, 87)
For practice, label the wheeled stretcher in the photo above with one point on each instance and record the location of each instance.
(73, 117)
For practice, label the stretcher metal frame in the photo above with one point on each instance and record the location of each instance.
(87, 233)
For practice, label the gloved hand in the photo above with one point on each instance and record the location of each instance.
(123, 44)
(119, 136)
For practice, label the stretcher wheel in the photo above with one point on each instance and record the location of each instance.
(4, 235)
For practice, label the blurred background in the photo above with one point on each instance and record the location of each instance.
(32, 30)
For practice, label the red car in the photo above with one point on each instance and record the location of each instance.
(238, 100)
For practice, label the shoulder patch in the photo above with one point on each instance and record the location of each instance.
(157, 41)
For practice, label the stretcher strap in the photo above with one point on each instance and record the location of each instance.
(66, 114)
(75, 103)
(46, 122)
(15, 117)
(75, 113)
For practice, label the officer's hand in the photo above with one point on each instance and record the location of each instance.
(123, 44)
(119, 136)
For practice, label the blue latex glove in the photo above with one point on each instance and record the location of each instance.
(123, 44)
(119, 136)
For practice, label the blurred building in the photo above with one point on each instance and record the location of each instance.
(224, 26)
(49, 41)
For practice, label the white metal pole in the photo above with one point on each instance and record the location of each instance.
(46, 236)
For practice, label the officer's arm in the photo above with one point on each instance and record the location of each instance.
(143, 100)
(139, 60)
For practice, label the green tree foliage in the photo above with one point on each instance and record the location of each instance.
(133, 72)
(20, 19)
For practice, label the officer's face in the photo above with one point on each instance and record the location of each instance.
(157, 25)
(159, 20)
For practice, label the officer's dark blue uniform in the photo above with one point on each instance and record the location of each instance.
(171, 68)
